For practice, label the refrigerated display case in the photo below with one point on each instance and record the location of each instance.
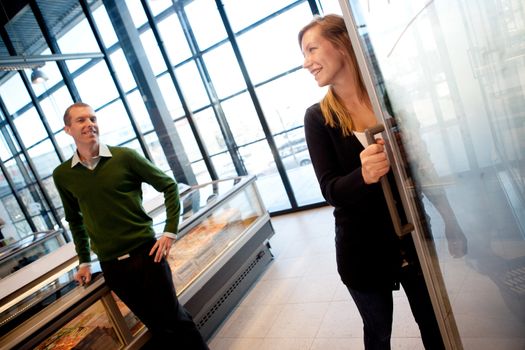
(222, 247)
(18, 254)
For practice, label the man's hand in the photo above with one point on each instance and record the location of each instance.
(83, 275)
(374, 162)
(161, 248)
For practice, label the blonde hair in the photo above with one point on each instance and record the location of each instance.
(333, 29)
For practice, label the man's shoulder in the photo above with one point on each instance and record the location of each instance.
(63, 166)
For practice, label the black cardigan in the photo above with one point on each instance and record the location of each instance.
(367, 248)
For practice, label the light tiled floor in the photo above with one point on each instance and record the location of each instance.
(299, 302)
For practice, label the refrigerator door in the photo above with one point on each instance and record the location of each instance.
(447, 80)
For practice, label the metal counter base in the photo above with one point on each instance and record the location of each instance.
(219, 296)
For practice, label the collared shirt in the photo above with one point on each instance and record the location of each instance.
(103, 151)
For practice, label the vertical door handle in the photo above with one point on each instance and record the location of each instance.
(400, 229)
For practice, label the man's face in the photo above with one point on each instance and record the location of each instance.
(83, 125)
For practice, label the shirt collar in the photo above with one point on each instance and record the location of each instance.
(103, 151)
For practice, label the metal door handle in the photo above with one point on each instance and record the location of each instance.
(401, 230)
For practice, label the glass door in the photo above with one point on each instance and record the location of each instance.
(447, 79)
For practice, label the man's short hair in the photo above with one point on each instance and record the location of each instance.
(67, 116)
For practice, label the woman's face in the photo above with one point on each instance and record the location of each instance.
(322, 59)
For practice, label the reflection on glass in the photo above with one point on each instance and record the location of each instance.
(203, 244)
(455, 80)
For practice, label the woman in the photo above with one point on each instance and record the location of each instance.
(371, 260)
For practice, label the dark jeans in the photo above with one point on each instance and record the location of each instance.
(147, 289)
(376, 310)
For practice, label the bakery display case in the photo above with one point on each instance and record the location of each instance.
(221, 248)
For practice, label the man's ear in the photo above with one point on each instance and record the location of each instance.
(66, 129)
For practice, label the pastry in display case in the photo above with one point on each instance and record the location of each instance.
(221, 248)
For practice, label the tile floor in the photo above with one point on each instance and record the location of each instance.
(299, 302)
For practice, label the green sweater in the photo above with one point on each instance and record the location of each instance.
(104, 206)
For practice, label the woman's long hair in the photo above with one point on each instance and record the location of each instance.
(333, 29)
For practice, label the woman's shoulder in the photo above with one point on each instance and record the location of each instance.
(313, 114)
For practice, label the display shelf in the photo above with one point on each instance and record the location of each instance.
(222, 247)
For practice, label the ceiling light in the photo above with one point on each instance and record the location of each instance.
(38, 76)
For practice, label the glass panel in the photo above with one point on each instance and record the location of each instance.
(54, 106)
(191, 85)
(188, 140)
(14, 94)
(30, 127)
(77, 40)
(454, 74)
(171, 96)
(158, 6)
(157, 153)
(210, 131)
(201, 172)
(66, 143)
(242, 13)
(330, 6)
(109, 37)
(173, 39)
(284, 110)
(137, 12)
(242, 119)
(279, 34)
(154, 56)
(140, 113)
(44, 158)
(203, 244)
(98, 76)
(224, 71)
(205, 23)
(258, 160)
(224, 165)
(122, 70)
(114, 124)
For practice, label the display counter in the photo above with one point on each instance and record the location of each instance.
(222, 247)
(21, 253)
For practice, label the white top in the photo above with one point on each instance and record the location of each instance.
(362, 137)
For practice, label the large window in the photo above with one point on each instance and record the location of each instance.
(226, 79)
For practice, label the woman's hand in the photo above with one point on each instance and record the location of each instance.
(374, 162)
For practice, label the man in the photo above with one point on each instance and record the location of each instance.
(100, 188)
